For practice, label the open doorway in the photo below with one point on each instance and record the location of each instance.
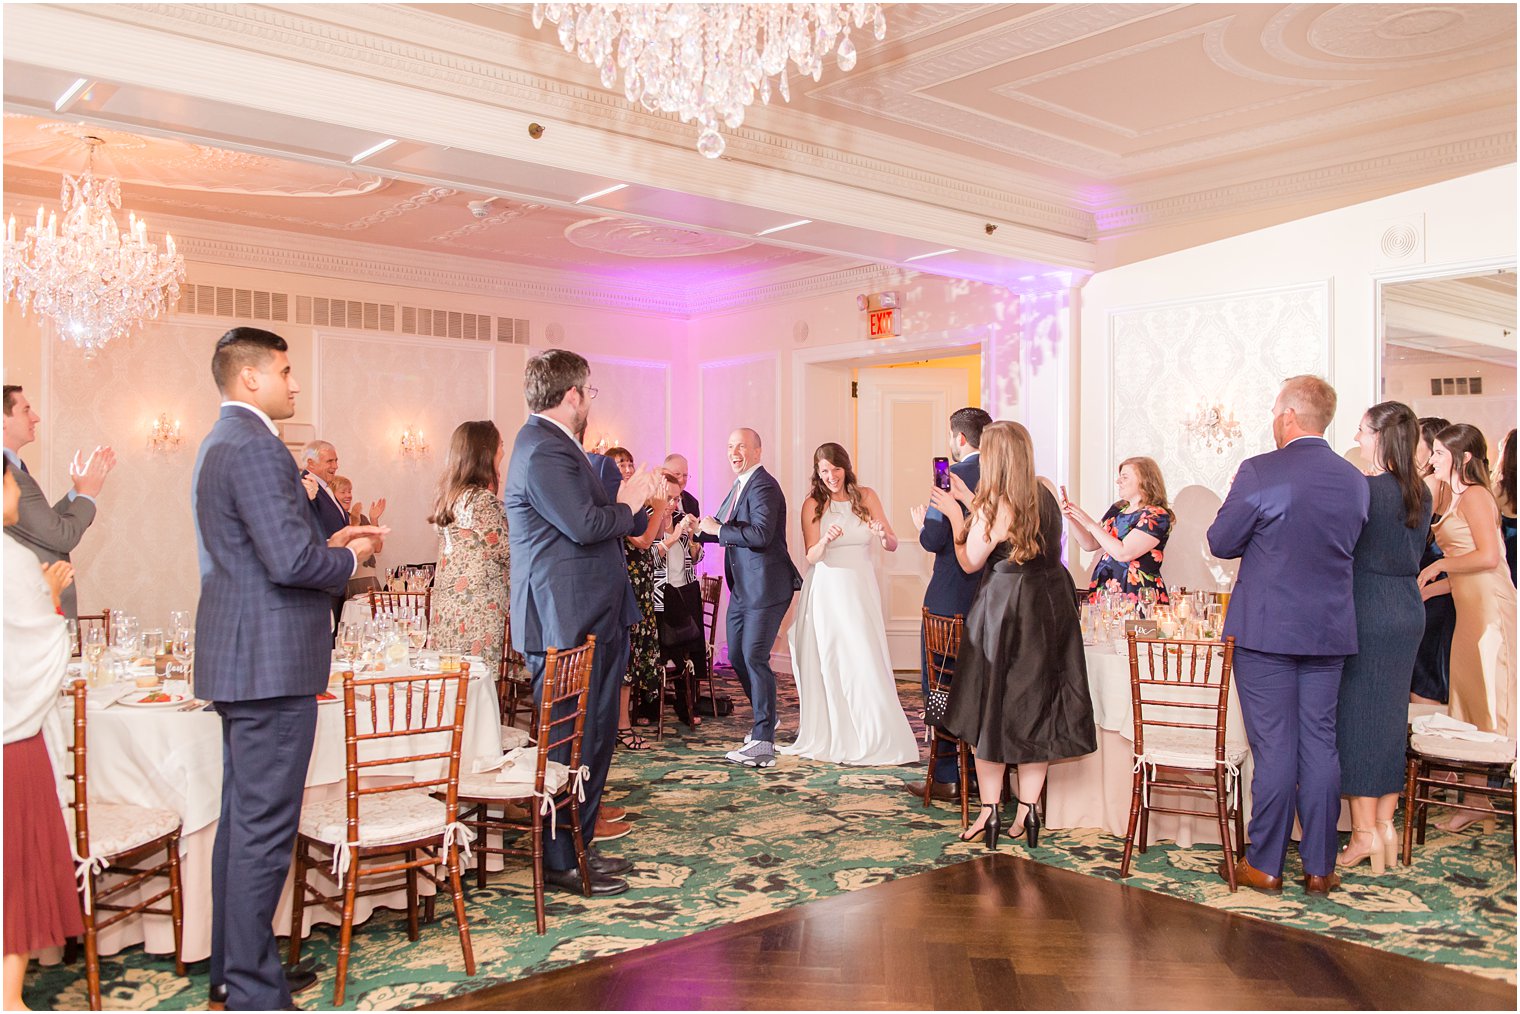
(890, 406)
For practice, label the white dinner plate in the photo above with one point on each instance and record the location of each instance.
(135, 700)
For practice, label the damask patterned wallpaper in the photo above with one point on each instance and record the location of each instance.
(1166, 360)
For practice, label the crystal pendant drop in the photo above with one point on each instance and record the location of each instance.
(710, 143)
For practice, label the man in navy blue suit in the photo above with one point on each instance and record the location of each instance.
(570, 579)
(1292, 517)
(263, 638)
(950, 589)
(751, 527)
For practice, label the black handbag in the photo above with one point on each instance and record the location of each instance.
(935, 706)
(681, 620)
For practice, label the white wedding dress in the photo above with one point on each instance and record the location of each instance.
(849, 708)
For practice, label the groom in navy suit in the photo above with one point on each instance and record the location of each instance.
(263, 631)
(751, 528)
(570, 579)
(1292, 517)
(950, 589)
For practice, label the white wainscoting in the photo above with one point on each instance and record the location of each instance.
(632, 406)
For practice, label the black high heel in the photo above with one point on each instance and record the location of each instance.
(991, 829)
(1032, 826)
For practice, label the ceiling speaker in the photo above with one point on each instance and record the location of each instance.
(554, 334)
(1403, 241)
(800, 332)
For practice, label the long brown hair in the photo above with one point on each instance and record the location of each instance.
(1504, 484)
(1398, 432)
(1008, 482)
(1460, 439)
(471, 464)
(819, 493)
(1152, 485)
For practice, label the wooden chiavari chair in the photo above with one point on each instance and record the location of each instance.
(712, 599)
(1180, 692)
(402, 824)
(942, 643)
(115, 839)
(556, 786)
(514, 688)
(418, 603)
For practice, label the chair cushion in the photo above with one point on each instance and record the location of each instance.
(1189, 748)
(116, 828)
(384, 819)
(1498, 751)
(512, 777)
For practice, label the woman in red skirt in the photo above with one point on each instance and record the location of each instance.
(41, 900)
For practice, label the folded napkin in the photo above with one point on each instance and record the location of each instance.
(100, 698)
(1451, 728)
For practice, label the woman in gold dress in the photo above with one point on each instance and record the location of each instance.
(1483, 642)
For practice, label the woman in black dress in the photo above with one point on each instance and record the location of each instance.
(1373, 711)
(1432, 663)
(1020, 691)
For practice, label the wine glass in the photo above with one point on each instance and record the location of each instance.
(350, 638)
(94, 652)
(72, 626)
(417, 633)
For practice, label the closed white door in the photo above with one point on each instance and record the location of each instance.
(903, 422)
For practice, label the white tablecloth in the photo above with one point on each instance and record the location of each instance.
(173, 760)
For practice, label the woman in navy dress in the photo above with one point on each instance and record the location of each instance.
(1373, 710)
(1131, 538)
(1432, 663)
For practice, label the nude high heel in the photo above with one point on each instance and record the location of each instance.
(1390, 842)
(1351, 855)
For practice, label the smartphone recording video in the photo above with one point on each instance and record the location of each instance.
(942, 473)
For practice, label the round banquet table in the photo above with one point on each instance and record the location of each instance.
(173, 760)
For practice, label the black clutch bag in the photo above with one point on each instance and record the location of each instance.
(935, 706)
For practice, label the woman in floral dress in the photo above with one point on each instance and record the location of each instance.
(642, 681)
(471, 587)
(1131, 538)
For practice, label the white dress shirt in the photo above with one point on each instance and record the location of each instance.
(36, 645)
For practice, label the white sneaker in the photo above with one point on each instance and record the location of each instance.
(754, 754)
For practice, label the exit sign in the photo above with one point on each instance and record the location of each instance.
(885, 323)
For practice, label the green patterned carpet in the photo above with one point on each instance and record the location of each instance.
(715, 844)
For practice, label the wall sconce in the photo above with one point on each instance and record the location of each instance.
(602, 443)
(164, 437)
(413, 444)
(1212, 427)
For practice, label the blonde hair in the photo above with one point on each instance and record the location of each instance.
(1311, 399)
(1008, 483)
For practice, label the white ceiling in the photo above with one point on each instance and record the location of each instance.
(1080, 132)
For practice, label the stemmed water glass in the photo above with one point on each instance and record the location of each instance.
(94, 653)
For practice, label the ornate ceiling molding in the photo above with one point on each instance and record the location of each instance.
(629, 238)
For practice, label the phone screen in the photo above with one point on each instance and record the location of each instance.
(1064, 498)
(942, 473)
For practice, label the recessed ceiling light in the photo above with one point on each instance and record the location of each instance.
(373, 150)
(67, 98)
(932, 253)
(781, 228)
(602, 193)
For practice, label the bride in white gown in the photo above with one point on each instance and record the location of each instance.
(850, 713)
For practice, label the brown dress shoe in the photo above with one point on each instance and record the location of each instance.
(610, 830)
(1250, 876)
(613, 813)
(1315, 884)
(946, 791)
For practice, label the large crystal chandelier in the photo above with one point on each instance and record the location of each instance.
(707, 62)
(92, 281)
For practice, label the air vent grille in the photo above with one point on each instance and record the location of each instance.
(1456, 385)
(222, 301)
(422, 320)
(512, 330)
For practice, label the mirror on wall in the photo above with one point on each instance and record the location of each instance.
(1449, 349)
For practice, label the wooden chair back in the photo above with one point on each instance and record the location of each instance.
(514, 681)
(942, 643)
(1161, 667)
(562, 711)
(101, 619)
(712, 597)
(401, 603)
(411, 708)
(78, 748)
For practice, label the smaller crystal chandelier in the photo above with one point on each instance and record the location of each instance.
(164, 438)
(707, 62)
(1211, 428)
(413, 444)
(82, 273)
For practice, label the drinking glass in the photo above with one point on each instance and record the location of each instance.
(72, 626)
(178, 618)
(1147, 604)
(1214, 621)
(152, 643)
(418, 634)
(94, 652)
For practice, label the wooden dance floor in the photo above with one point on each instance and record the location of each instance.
(999, 933)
